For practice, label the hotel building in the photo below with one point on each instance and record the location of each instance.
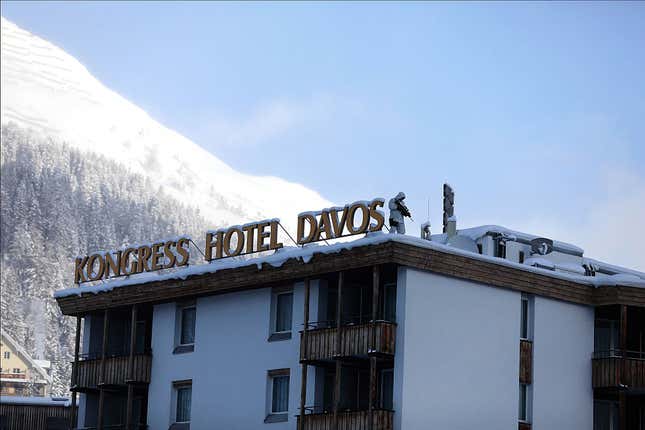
(478, 328)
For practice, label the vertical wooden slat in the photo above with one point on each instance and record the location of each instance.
(130, 374)
(372, 398)
(339, 310)
(304, 340)
(106, 321)
(372, 345)
(77, 346)
(621, 378)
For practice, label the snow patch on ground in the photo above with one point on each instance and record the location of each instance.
(37, 401)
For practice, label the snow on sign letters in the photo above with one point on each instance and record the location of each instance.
(145, 258)
(249, 237)
(331, 223)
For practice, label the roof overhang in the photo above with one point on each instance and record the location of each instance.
(434, 259)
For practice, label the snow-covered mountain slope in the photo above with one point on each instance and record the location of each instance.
(47, 90)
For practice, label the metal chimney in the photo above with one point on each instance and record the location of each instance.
(448, 205)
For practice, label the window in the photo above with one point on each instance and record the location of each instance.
(390, 302)
(188, 326)
(606, 338)
(525, 403)
(284, 306)
(521, 258)
(183, 393)
(605, 415)
(16, 370)
(280, 396)
(7, 355)
(281, 314)
(277, 395)
(387, 389)
(185, 328)
(524, 325)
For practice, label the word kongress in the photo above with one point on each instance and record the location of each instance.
(356, 218)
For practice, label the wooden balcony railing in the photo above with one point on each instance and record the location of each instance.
(13, 375)
(354, 420)
(616, 371)
(356, 340)
(88, 372)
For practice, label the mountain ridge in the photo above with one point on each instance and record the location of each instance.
(52, 93)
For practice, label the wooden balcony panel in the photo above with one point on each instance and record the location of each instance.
(354, 420)
(13, 375)
(524, 426)
(609, 372)
(88, 372)
(320, 344)
(526, 361)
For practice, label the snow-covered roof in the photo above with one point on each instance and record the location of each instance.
(476, 233)
(306, 253)
(36, 401)
(45, 364)
(20, 351)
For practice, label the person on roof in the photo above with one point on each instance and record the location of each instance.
(398, 211)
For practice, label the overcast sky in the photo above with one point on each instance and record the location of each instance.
(535, 113)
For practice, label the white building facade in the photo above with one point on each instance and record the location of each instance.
(386, 332)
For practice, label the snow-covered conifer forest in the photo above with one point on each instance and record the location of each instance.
(58, 203)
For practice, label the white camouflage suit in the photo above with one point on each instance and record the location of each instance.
(397, 225)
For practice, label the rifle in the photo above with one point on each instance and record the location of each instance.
(404, 210)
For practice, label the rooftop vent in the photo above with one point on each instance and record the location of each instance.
(541, 246)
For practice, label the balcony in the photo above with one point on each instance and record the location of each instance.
(17, 376)
(359, 340)
(348, 420)
(619, 369)
(115, 427)
(88, 372)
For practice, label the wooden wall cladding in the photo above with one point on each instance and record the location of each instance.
(34, 417)
(526, 361)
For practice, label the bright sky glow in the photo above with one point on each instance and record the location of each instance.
(534, 112)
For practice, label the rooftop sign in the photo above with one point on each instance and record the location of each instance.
(331, 223)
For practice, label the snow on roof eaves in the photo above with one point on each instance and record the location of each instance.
(306, 253)
(38, 401)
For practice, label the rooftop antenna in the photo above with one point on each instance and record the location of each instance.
(448, 205)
